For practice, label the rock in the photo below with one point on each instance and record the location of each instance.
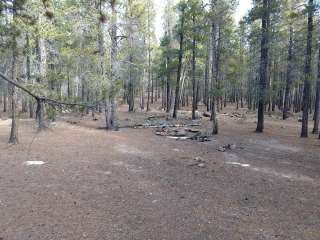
(233, 147)
(200, 137)
(207, 114)
(227, 147)
(181, 133)
(199, 159)
(201, 165)
(162, 131)
(192, 130)
(178, 138)
(204, 139)
(177, 133)
(221, 149)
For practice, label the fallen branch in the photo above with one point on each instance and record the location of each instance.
(41, 100)
(56, 102)
(16, 84)
(161, 125)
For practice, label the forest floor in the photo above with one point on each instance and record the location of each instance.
(76, 181)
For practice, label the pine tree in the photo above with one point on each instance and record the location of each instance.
(308, 73)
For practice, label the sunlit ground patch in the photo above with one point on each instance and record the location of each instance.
(238, 164)
(268, 171)
(5, 122)
(34, 163)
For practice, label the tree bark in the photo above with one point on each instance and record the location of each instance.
(308, 74)
(40, 115)
(5, 98)
(317, 108)
(286, 106)
(206, 76)
(12, 90)
(168, 88)
(181, 46)
(42, 59)
(42, 73)
(28, 67)
(217, 71)
(130, 88)
(149, 59)
(114, 50)
(213, 75)
(194, 87)
(317, 100)
(263, 66)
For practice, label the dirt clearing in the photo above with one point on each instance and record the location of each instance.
(75, 181)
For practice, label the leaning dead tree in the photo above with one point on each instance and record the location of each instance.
(42, 100)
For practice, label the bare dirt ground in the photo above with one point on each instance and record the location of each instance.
(132, 184)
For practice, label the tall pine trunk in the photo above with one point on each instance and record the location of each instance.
(217, 68)
(286, 105)
(149, 59)
(114, 49)
(28, 68)
(194, 87)
(181, 46)
(206, 76)
(130, 87)
(42, 73)
(264, 59)
(317, 100)
(168, 102)
(308, 74)
(213, 70)
(5, 97)
(12, 90)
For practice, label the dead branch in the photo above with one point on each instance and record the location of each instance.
(43, 98)
(16, 84)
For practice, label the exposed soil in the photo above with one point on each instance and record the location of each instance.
(75, 181)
